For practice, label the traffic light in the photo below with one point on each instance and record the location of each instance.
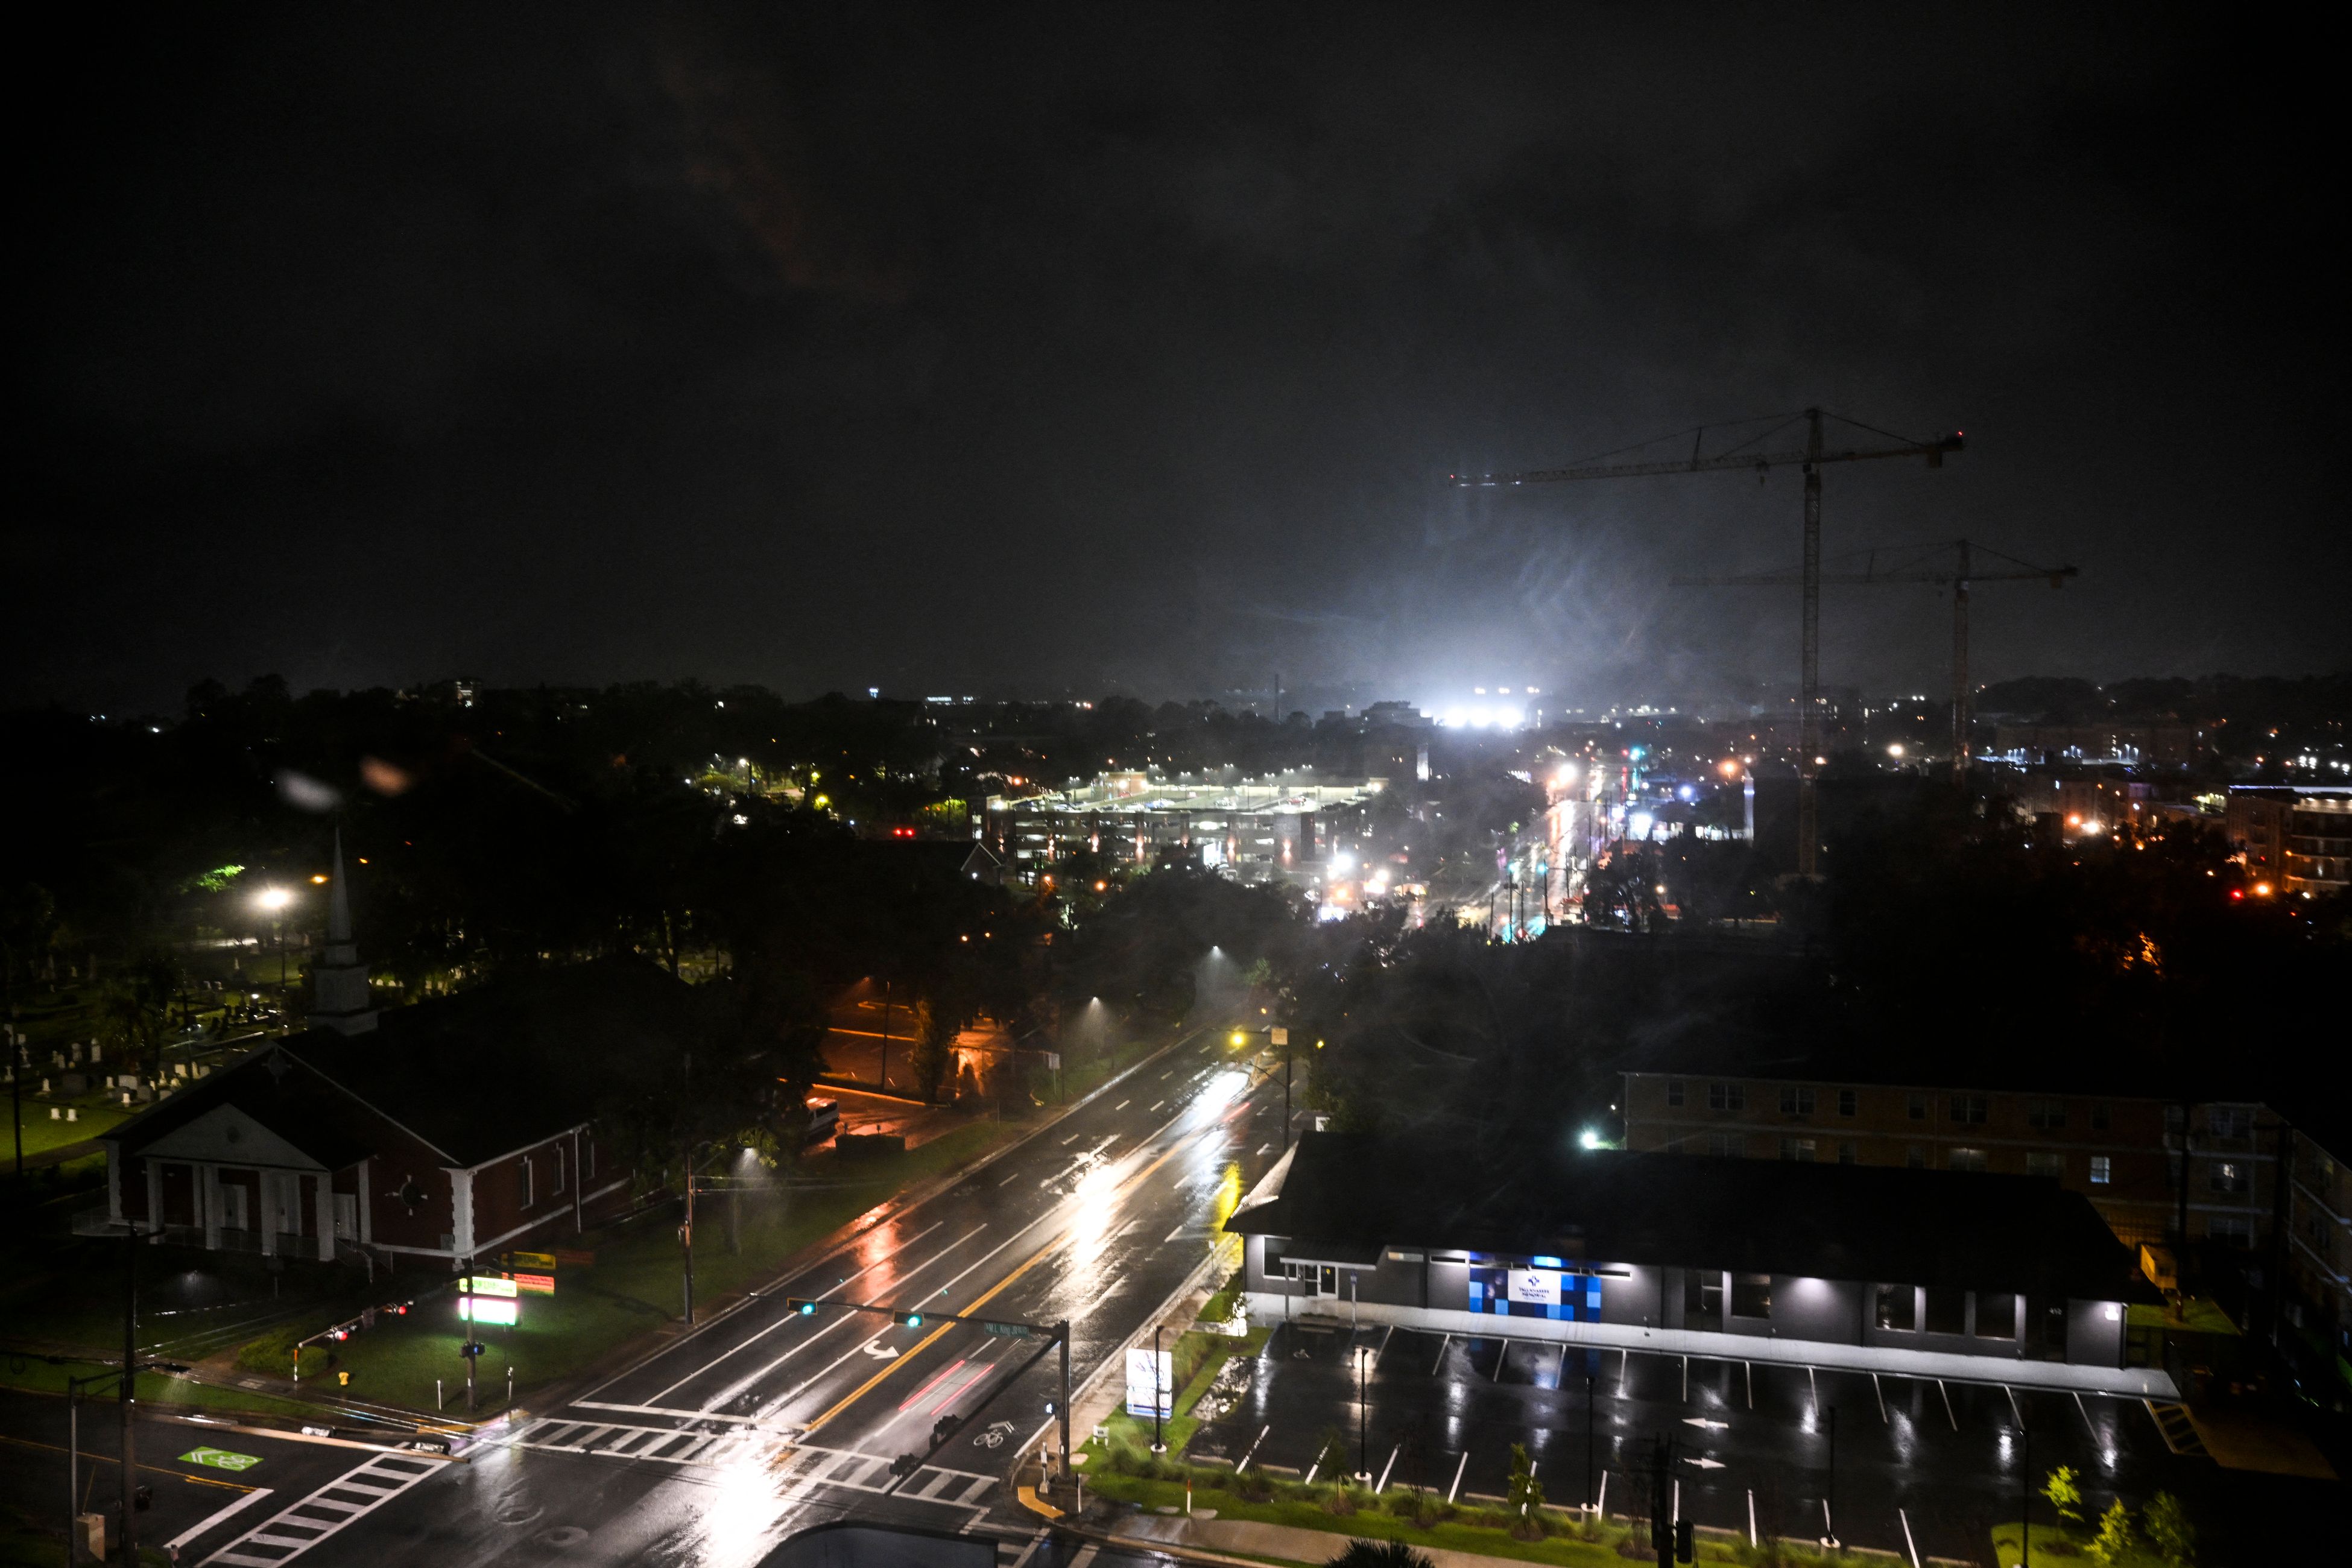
(1685, 1541)
(801, 1305)
(910, 1319)
(1238, 1037)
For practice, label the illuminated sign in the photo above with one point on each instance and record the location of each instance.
(486, 1310)
(542, 1261)
(535, 1284)
(487, 1286)
(1151, 1382)
(1535, 1287)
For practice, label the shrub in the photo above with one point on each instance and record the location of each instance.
(1404, 1504)
(2065, 1492)
(2168, 1529)
(2114, 1542)
(1252, 1486)
(1380, 1554)
(1339, 1501)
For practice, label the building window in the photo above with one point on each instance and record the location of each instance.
(1915, 1157)
(1675, 1145)
(2099, 1117)
(530, 1195)
(2043, 1115)
(1796, 1101)
(1968, 1110)
(2227, 1176)
(1797, 1149)
(2051, 1165)
(1751, 1295)
(588, 1159)
(1966, 1160)
(1848, 1102)
(1918, 1108)
(1673, 1092)
(559, 1170)
(1726, 1096)
(1948, 1310)
(1995, 1315)
(2224, 1120)
(1848, 1154)
(2237, 1230)
(1725, 1145)
(2103, 1170)
(1898, 1308)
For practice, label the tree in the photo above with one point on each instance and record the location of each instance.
(1380, 1554)
(2168, 1529)
(1527, 1492)
(2114, 1541)
(136, 1006)
(2065, 1492)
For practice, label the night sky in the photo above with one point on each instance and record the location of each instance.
(1021, 350)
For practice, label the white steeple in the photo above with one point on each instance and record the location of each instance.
(339, 981)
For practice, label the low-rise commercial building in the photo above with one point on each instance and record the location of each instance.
(2297, 839)
(1918, 1272)
(2122, 1153)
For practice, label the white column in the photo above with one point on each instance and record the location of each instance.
(268, 1218)
(208, 1205)
(367, 1206)
(326, 1207)
(155, 1195)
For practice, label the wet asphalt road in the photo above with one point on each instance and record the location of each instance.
(766, 1422)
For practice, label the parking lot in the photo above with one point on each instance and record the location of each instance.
(1923, 1467)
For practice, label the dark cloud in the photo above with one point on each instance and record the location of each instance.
(1018, 348)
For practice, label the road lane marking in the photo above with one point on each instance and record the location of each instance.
(1164, 1077)
(1036, 1257)
(1252, 1449)
(1262, 1150)
(1455, 1490)
(791, 1317)
(952, 1367)
(1010, 1180)
(185, 1536)
(1947, 1404)
(1031, 1550)
(379, 1480)
(1155, 1105)
(1070, 1140)
(741, 1384)
(1122, 1105)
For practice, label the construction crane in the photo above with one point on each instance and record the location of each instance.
(1746, 456)
(1920, 564)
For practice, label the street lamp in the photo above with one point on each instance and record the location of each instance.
(274, 900)
(1363, 1460)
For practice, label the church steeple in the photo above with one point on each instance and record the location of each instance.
(339, 982)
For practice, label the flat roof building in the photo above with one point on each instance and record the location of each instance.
(1284, 829)
(1920, 1273)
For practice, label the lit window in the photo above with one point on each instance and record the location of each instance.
(1799, 1149)
(2102, 1170)
(1967, 1160)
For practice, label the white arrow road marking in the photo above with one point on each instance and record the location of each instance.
(879, 1350)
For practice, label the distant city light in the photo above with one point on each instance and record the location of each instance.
(1895, 750)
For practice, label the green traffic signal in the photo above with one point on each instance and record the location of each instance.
(910, 1319)
(806, 1308)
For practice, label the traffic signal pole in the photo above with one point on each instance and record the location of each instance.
(130, 1400)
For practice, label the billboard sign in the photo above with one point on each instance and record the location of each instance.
(1151, 1383)
(487, 1310)
(1535, 1287)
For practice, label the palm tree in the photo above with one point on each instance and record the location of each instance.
(1380, 1554)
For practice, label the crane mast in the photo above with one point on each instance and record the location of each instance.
(1809, 458)
(1960, 571)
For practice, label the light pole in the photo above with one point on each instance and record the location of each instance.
(1828, 1508)
(1159, 1392)
(1363, 1460)
(274, 900)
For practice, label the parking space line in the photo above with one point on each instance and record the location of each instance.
(1624, 1363)
(1879, 1389)
(1383, 1484)
(1455, 1490)
(1751, 1518)
(1751, 1382)
(1947, 1404)
(1441, 1358)
(1828, 1526)
(1502, 1353)
(1252, 1449)
(1815, 1384)
(1911, 1545)
(2086, 1415)
(2014, 1409)
(1600, 1503)
(1685, 1388)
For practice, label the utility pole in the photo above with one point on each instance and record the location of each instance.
(686, 1238)
(1159, 1392)
(1745, 456)
(882, 1080)
(1828, 1508)
(1588, 1382)
(129, 1394)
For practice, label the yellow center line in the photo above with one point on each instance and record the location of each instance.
(1038, 1256)
(94, 1460)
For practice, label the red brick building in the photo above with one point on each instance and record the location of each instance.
(448, 1130)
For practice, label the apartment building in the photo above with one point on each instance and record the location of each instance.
(2121, 1151)
(1290, 829)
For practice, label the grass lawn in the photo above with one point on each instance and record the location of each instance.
(2063, 1546)
(155, 1388)
(42, 1134)
(633, 1288)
